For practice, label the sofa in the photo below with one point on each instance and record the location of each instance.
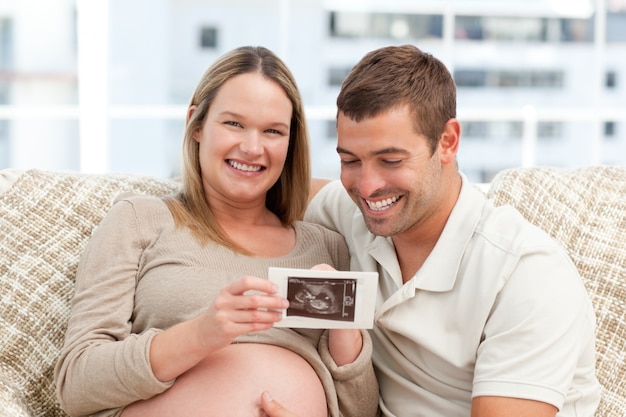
(46, 218)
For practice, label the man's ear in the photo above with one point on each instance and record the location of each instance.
(449, 141)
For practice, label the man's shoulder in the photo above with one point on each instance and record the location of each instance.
(330, 200)
(506, 227)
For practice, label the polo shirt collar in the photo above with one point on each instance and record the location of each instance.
(439, 271)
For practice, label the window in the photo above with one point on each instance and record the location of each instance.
(385, 25)
(611, 80)
(475, 129)
(4, 129)
(470, 78)
(331, 129)
(549, 130)
(525, 29)
(5, 65)
(208, 37)
(609, 129)
(492, 130)
(6, 43)
(615, 23)
(576, 30)
(336, 75)
(508, 78)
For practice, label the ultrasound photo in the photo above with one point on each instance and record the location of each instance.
(323, 298)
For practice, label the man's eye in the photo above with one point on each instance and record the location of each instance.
(348, 161)
(392, 161)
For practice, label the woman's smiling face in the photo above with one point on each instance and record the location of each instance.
(244, 140)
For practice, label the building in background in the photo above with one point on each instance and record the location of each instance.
(38, 80)
(540, 82)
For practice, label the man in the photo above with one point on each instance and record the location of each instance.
(478, 313)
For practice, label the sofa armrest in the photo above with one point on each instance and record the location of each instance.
(46, 219)
(7, 177)
(12, 402)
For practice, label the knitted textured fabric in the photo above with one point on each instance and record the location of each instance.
(12, 403)
(585, 210)
(46, 219)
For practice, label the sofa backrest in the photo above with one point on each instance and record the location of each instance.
(46, 219)
(585, 210)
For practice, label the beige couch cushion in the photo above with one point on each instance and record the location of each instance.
(46, 219)
(8, 177)
(585, 210)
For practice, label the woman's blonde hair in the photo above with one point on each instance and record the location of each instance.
(288, 196)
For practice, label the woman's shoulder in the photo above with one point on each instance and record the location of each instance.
(142, 206)
(140, 200)
(312, 234)
(313, 231)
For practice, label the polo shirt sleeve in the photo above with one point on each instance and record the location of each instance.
(332, 207)
(539, 333)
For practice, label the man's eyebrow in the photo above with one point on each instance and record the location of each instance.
(342, 150)
(383, 151)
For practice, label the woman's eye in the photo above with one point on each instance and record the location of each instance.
(274, 132)
(232, 123)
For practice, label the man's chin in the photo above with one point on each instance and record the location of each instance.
(378, 226)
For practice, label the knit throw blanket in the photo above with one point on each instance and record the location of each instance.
(46, 219)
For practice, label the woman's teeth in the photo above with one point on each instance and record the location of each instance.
(244, 167)
(381, 205)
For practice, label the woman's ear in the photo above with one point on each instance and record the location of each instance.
(449, 141)
(190, 111)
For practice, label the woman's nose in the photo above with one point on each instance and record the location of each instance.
(251, 143)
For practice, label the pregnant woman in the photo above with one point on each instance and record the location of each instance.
(173, 313)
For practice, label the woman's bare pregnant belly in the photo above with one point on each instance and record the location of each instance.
(230, 383)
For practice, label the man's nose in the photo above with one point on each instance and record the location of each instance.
(369, 180)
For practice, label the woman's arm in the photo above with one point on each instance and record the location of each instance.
(182, 346)
(100, 355)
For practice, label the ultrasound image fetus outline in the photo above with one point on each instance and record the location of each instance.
(318, 299)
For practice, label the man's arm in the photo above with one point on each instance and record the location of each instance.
(511, 407)
(316, 185)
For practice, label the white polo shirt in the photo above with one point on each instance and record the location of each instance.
(497, 309)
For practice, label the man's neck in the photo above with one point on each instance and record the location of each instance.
(414, 246)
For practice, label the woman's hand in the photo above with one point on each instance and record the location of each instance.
(243, 306)
(273, 408)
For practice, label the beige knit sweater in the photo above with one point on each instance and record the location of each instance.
(141, 274)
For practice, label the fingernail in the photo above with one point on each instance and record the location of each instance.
(267, 397)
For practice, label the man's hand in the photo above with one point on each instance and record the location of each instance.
(273, 408)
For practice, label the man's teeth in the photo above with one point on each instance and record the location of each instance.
(381, 204)
(244, 167)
